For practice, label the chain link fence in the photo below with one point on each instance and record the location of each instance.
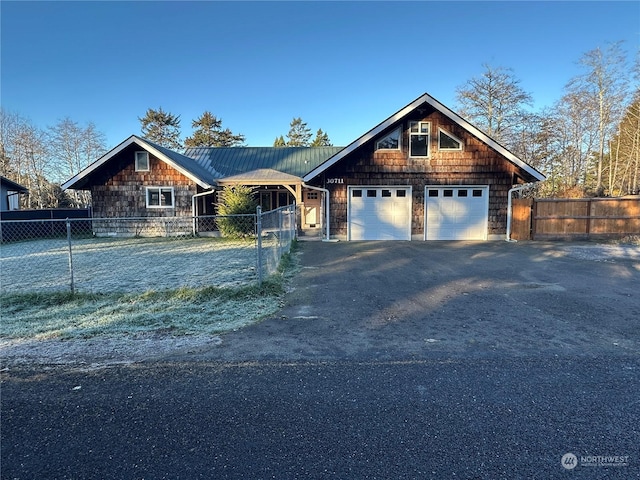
(138, 254)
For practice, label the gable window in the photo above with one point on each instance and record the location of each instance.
(160, 197)
(142, 162)
(419, 139)
(390, 142)
(447, 141)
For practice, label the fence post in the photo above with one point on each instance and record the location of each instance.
(280, 232)
(70, 255)
(293, 225)
(259, 234)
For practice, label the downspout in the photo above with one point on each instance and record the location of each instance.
(509, 203)
(326, 208)
(193, 208)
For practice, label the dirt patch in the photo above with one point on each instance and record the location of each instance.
(102, 352)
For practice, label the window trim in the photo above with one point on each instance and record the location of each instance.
(398, 129)
(136, 164)
(449, 134)
(428, 134)
(160, 189)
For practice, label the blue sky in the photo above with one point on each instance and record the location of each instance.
(341, 66)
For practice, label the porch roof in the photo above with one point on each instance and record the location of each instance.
(261, 176)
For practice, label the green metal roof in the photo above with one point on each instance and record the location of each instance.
(227, 161)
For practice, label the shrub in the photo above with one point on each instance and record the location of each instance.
(237, 200)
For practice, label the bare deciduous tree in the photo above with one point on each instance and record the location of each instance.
(604, 85)
(72, 148)
(494, 102)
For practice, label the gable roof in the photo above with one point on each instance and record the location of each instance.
(400, 114)
(11, 185)
(229, 161)
(185, 165)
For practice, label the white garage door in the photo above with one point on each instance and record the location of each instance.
(379, 213)
(456, 212)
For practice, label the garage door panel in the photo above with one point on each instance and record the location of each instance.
(461, 214)
(380, 213)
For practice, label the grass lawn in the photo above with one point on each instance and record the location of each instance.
(182, 311)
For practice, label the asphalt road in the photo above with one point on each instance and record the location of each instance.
(389, 361)
(493, 419)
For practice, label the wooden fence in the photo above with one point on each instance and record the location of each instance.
(575, 218)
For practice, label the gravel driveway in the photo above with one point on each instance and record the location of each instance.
(389, 300)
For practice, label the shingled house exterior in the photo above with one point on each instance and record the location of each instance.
(423, 173)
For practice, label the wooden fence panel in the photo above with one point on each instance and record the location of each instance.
(521, 210)
(615, 216)
(585, 218)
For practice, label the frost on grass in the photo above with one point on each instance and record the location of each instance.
(105, 265)
(178, 312)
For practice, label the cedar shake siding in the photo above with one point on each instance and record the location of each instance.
(476, 164)
(120, 191)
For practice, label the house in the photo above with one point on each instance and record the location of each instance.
(10, 192)
(422, 173)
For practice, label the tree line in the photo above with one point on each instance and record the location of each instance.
(163, 128)
(587, 142)
(42, 159)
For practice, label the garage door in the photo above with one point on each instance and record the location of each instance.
(456, 212)
(379, 213)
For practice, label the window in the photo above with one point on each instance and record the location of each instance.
(372, 193)
(446, 141)
(462, 193)
(142, 162)
(419, 139)
(433, 193)
(389, 142)
(401, 193)
(312, 195)
(477, 193)
(386, 193)
(447, 193)
(160, 197)
(356, 193)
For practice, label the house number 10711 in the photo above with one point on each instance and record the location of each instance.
(335, 180)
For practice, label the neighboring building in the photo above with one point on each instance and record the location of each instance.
(423, 173)
(10, 192)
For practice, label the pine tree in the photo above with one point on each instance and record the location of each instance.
(299, 134)
(321, 139)
(162, 128)
(236, 201)
(209, 133)
(279, 142)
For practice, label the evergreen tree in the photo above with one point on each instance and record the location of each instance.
(234, 201)
(299, 134)
(279, 142)
(209, 133)
(162, 128)
(321, 139)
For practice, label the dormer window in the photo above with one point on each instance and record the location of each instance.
(389, 142)
(447, 141)
(419, 135)
(142, 162)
